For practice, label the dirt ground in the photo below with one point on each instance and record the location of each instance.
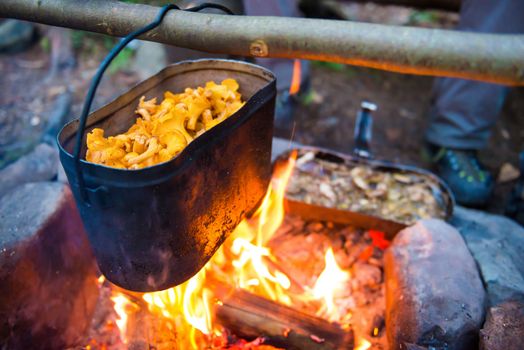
(32, 82)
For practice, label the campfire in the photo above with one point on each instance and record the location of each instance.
(263, 289)
(349, 250)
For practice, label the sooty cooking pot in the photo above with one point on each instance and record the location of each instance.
(154, 228)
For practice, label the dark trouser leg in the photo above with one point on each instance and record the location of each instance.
(464, 111)
(283, 68)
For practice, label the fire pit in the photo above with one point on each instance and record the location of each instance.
(281, 280)
(309, 276)
(284, 279)
(291, 277)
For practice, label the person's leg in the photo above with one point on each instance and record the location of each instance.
(283, 68)
(177, 54)
(464, 111)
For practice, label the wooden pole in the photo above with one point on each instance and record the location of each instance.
(494, 58)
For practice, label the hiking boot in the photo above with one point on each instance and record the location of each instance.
(515, 205)
(469, 181)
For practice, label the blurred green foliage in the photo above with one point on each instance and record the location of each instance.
(121, 61)
(423, 17)
(98, 46)
(336, 67)
(77, 38)
(308, 98)
(45, 44)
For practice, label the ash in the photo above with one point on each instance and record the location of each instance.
(300, 247)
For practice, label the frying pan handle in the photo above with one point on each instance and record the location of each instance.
(101, 70)
(363, 130)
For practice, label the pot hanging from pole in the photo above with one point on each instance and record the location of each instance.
(154, 228)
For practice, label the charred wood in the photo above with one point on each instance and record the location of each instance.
(250, 316)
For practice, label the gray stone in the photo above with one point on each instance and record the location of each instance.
(58, 117)
(497, 244)
(61, 176)
(48, 286)
(434, 294)
(504, 327)
(15, 35)
(39, 165)
(410, 346)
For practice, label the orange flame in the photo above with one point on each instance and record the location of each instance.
(363, 344)
(332, 279)
(122, 308)
(244, 261)
(296, 78)
(189, 303)
(250, 239)
(100, 280)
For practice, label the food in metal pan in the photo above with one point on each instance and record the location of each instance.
(163, 130)
(398, 196)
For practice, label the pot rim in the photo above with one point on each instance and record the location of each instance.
(105, 175)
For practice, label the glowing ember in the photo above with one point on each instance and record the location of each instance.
(100, 280)
(363, 344)
(187, 305)
(332, 279)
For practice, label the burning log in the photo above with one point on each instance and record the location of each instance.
(250, 316)
(146, 331)
(123, 319)
(488, 57)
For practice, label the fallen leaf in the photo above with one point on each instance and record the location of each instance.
(508, 173)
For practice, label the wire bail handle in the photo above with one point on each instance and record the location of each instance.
(101, 70)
